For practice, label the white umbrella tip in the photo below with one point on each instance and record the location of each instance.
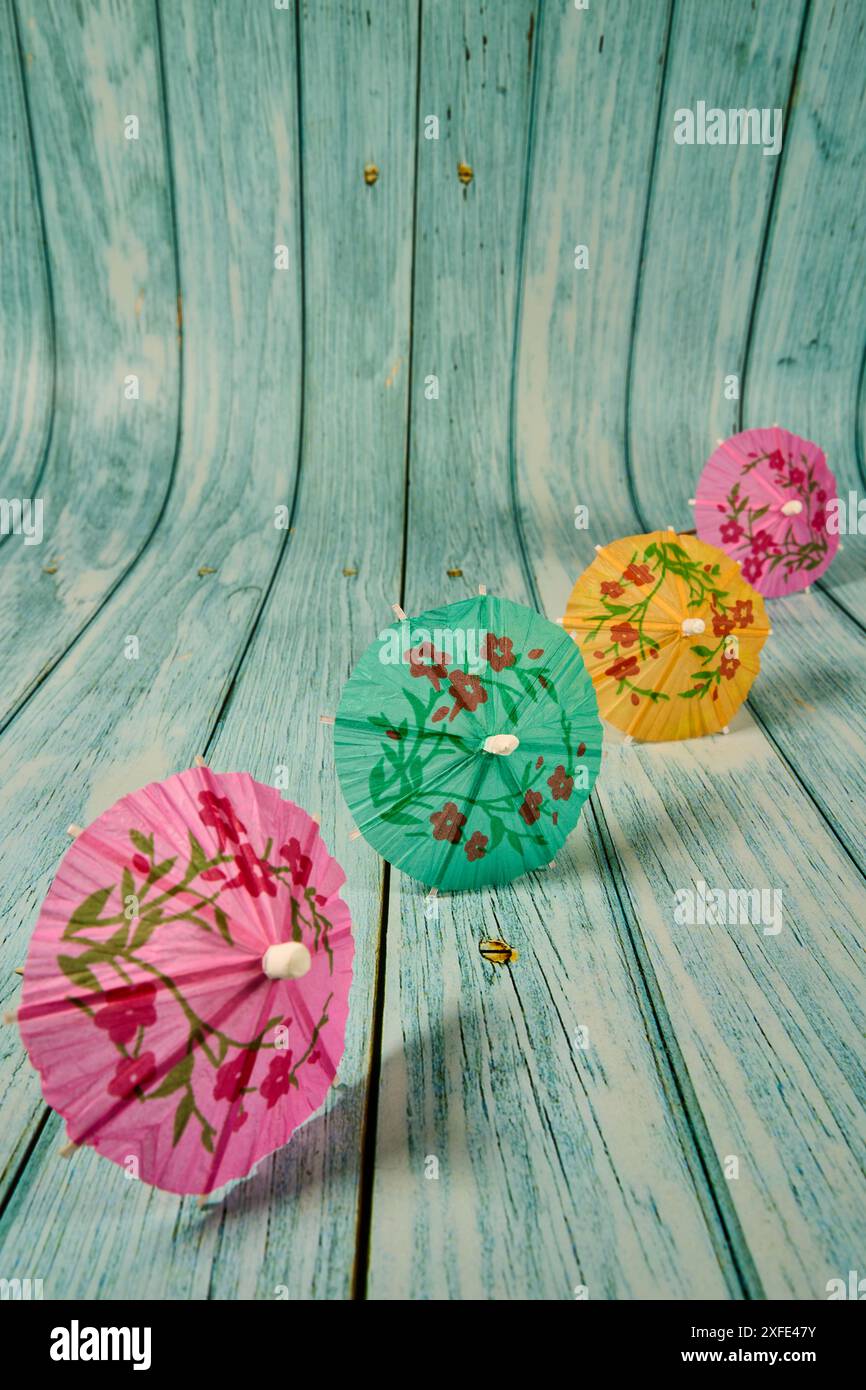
(289, 961)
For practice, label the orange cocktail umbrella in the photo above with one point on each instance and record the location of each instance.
(670, 633)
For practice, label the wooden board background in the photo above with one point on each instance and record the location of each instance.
(557, 1167)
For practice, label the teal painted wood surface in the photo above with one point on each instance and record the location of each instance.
(471, 1148)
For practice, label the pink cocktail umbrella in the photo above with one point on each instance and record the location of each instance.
(186, 990)
(763, 497)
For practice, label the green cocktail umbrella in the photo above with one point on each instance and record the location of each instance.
(466, 742)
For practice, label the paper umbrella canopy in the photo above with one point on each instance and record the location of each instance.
(186, 989)
(466, 742)
(670, 632)
(763, 497)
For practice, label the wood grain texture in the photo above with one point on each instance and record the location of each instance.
(806, 350)
(109, 242)
(293, 1224)
(27, 338)
(556, 1168)
(728, 811)
(132, 720)
(307, 388)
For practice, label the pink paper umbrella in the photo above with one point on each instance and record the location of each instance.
(763, 497)
(186, 990)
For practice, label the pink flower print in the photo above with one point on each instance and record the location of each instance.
(819, 521)
(218, 812)
(254, 874)
(133, 1073)
(730, 532)
(277, 1081)
(752, 569)
(796, 475)
(300, 864)
(776, 461)
(762, 542)
(126, 1010)
(233, 1076)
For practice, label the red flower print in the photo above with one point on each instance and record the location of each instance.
(730, 532)
(729, 666)
(132, 1073)
(277, 1082)
(741, 613)
(820, 495)
(581, 749)
(233, 1077)
(752, 569)
(626, 666)
(240, 1118)
(126, 1010)
(438, 714)
(140, 864)
(638, 574)
(539, 761)
(611, 589)
(499, 651)
(300, 864)
(539, 651)
(448, 823)
(635, 699)
(476, 845)
(776, 461)
(392, 733)
(796, 475)
(253, 874)
(468, 692)
(555, 818)
(219, 812)
(819, 521)
(424, 660)
(625, 634)
(561, 785)
(723, 623)
(762, 542)
(529, 810)
(211, 874)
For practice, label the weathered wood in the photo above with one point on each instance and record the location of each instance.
(745, 1050)
(27, 338)
(556, 1167)
(110, 254)
(805, 355)
(103, 724)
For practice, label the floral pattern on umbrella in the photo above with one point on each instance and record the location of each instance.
(410, 737)
(153, 979)
(764, 497)
(628, 612)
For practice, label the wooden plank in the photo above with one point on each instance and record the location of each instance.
(556, 1167)
(292, 1226)
(765, 1032)
(110, 252)
(101, 724)
(27, 341)
(806, 350)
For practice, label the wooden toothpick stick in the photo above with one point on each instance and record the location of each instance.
(397, 611)
(199, 760)
(74, 830)
(68, 1149)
